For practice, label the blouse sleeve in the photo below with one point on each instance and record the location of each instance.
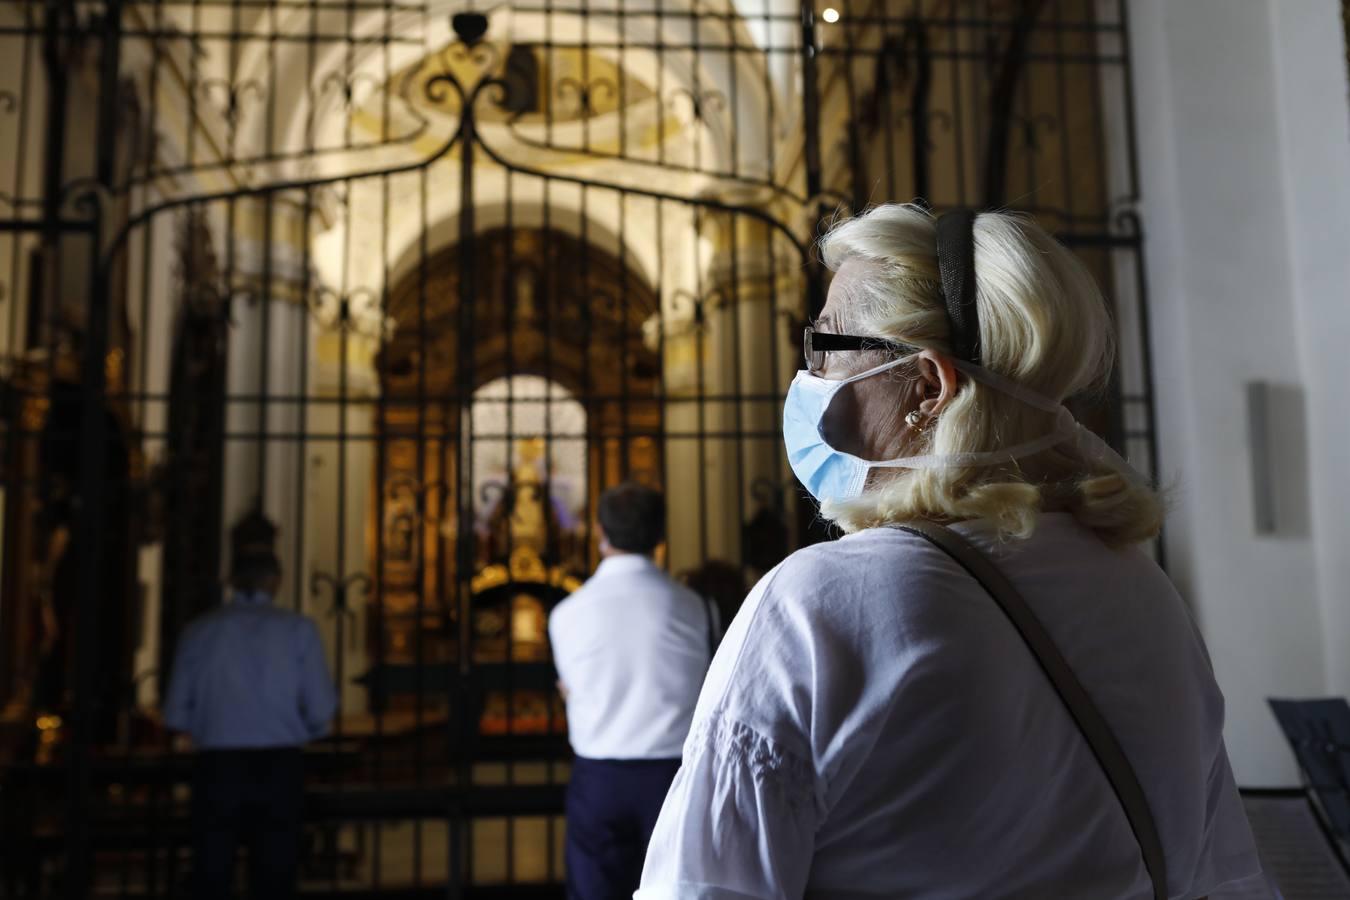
(739, 820)
(1228, 855)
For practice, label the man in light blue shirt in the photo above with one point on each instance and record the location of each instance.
(250, 685)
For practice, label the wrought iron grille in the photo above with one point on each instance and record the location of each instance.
(416, 281)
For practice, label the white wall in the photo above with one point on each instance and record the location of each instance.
(1244, 143)
(1314, 109)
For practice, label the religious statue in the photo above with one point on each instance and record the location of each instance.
(528, 511)
(529, 518)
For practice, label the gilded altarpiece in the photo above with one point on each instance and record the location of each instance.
(552, 308)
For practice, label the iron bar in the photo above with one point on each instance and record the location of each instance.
(645, 250)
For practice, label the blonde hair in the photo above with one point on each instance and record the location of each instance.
(1043, 324)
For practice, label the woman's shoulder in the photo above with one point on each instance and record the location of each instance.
(844, 590)
(823, 636)
(884, 557)
(888, 579)
(871, 547)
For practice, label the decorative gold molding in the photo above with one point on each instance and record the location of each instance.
(526, 567)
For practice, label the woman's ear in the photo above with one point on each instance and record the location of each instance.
(938, 382)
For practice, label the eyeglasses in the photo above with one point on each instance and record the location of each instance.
(815, 344)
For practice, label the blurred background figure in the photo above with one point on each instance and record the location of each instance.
(250, 686)
(631, 647)
(720, 583)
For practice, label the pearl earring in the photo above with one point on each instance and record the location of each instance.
(914, 419)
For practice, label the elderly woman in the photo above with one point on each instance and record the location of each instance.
(1014, 705)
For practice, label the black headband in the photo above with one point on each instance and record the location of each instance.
(956, 268)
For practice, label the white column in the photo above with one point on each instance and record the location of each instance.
(269, 340)
(758, 299)
(339, 485)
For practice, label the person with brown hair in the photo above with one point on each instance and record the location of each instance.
(250, 685)
(631, 647)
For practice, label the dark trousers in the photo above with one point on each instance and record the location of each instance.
(612, 807)
(253, 798)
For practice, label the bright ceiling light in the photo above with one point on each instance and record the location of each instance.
(830, 15)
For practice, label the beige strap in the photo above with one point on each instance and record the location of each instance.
(1094, 727)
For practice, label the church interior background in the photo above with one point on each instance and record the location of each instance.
(399, 286)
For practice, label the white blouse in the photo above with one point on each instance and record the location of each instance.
(872, 726)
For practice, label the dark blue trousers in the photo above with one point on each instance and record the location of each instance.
(253, 798)
(612, 805)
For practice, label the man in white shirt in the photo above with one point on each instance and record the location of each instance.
(631, 647)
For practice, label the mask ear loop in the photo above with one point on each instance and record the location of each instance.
(1093, 448)
(980, 458)
(1067, 428)
(1088, 443)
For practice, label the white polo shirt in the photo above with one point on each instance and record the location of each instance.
(631, 647)
(873, 727)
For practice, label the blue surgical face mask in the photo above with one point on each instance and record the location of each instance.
(829, 474)
(832, 474)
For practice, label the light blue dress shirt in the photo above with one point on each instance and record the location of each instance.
(250, 675)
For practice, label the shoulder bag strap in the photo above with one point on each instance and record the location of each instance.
(1090, 721)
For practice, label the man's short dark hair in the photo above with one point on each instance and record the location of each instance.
(254, 571)
(633, 516)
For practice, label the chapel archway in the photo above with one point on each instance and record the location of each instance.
(561, 399)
